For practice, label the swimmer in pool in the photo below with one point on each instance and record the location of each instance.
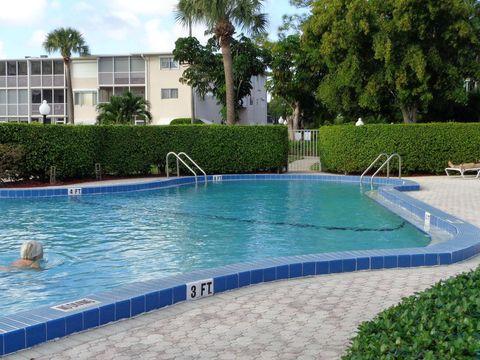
(31, 253)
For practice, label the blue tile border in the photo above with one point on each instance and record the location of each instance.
(30, 328)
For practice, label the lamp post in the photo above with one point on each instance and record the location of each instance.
(45, 110)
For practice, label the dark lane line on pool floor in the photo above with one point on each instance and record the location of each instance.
(253, 221)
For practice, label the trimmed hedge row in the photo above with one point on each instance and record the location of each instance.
(425, 148)
(442, 322)
(131, 150)
(186, 121)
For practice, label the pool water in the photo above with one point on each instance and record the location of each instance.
(93, 243)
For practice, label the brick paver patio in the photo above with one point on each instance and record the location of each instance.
(309, 318)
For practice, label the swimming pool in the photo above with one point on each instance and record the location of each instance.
(93, 243)
(34, 326)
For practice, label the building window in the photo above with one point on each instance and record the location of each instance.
(58, 67)
(85, 98)
(105, 94)
(11, 68)
(169, 93)
(168, 63)
(35, 68)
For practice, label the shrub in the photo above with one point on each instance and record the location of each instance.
(11, 157)
(186, 121)
(439, 323)
(132, 150)
(425, 148)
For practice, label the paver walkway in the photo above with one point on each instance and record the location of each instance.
(310, 318)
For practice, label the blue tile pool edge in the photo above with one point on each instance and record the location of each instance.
(30, 328)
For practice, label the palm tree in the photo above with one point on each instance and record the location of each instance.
(124, 109)
(66, 41)
(221, 17)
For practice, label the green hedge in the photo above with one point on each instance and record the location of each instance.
(442, 322)
(425, 148)
(131, 150)
(186, 121)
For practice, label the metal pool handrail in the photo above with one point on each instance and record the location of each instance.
(372, 165)
(387, 162)
(179, 159)
(195, 164)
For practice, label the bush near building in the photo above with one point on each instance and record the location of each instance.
(439, 323)
(132, 150)
(425, 148)
(186, 121)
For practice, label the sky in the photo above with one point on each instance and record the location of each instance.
(108, 26)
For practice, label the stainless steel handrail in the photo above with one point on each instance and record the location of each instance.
(387, 162)
(372, 165)
(178, 167)
(194, 163)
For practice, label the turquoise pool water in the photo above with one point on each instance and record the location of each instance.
(93, 243)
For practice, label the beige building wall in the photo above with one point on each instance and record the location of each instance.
(165, 110)
(84, 78)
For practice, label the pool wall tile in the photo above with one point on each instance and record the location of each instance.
(107, 314)
(91, 319)
(179, 293)
(349, 265)
(418, 260)
(55, 328)
(219, 284)
(152, 301)
(295, 270)
(35, 334)
(73, 323)
(231, 282)
(336, 266)
(256, 276)
(431, 259)
(377, 262)
(404, 261)
(322, 268)
(122, 309)
(308, 269)
(33, 327)
(270, 274)
(14, 341)
(138, 305)
(244, 278)
(390, 262)
(363, 263)
(166, 297)
(282, 272)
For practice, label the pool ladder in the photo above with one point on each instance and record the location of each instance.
(184, 162)
(385, 163)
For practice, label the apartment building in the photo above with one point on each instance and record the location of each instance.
(25, 83)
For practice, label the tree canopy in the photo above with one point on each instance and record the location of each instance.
(205, 71)
(124, 109)
(222, 17)
(67, 41)
(401, 52)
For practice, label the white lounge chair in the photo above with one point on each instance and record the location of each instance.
(463, 168)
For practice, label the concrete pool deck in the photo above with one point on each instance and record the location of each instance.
(309, 318)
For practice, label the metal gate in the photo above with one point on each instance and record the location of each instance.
(303, 152)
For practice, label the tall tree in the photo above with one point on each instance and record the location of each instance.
(389, 51)
(205, 71)
(67, 41)
(292, 78)
(222, 17)
(124, 109)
